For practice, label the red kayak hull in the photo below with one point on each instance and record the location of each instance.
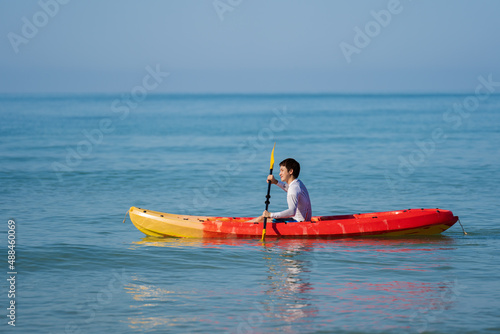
(390, 223)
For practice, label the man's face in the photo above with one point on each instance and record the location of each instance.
(285, 174)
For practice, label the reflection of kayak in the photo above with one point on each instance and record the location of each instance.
(391, 223)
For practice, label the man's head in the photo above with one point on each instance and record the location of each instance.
(289, 169)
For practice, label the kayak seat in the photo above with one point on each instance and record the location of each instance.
(340, 217)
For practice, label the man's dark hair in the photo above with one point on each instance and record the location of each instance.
(293, 165)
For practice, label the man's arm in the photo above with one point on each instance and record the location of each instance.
(282, 185)
(293, 201)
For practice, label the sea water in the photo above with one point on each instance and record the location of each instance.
(71, 166)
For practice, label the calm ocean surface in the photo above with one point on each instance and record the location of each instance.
(71, 166)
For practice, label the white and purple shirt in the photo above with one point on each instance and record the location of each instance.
(299, 204)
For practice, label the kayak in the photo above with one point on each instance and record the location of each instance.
(391, 223)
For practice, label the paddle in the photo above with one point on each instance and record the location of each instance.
(268, 196)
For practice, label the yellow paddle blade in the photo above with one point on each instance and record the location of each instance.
(272, 157)
(263, 234)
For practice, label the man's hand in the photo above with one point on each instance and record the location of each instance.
(272, 179)
(256, 220)
(265, 214)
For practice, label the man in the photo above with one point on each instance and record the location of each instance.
(299, 204)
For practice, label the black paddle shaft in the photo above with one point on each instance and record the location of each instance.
(268, 196)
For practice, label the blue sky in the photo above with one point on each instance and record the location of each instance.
(248, 46)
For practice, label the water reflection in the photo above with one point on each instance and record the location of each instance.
(361, 244)
(187, 242)
(288, 281)
(357, 283)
